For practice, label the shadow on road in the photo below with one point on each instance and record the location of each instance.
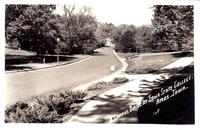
(13, 62)
(11, 67)
(183, 54)
(110, 105)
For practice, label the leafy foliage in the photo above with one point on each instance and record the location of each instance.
(172, 30)
(29, 113)
(124, 38)
(173, 25)
(103, 32)
(144, 39)
(33, 29)
(37, 28)
(97, 86)
(120, 80)
(79, 30)
(48, 109)
(128, 38)
(13, 12)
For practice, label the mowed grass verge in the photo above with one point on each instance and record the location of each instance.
(149, 63)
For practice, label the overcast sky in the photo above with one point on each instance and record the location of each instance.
(117, 11)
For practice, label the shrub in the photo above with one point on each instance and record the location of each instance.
(120, 80)
(97, 86)
(140, 71)
(76, 95)
(47, 109)
(29, 114)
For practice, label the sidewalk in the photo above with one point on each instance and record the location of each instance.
(112, 106)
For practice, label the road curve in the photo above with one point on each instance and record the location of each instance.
(24, 85)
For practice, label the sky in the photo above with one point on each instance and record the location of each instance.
(116, 11)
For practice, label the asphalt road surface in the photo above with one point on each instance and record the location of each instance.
(24, 85)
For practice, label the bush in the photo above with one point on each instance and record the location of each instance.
(22, 112)
(47, 109)
(120, 80)
(140, 71)
(88, 49)
(78, 95)
(97, 86)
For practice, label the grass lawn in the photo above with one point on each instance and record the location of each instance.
(100, 87)
(15, 52)
(148, 63)
(17, 60)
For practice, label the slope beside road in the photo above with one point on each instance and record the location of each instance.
(24, 85)
(121, 104)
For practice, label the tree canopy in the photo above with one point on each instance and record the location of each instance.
(173, 25)
(124, 38)
(32, 28)
(37, 28)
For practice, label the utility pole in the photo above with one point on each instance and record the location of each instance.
(58, 40)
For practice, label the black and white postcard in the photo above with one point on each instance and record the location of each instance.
(100, 61)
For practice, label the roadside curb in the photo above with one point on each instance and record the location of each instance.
(122, 60)
(106, 78)
(122, 92)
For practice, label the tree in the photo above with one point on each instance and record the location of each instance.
(144, 38)
(124, 38)
(173, 25)
(33, 28)
(103, 32)
(36, 28)
(11, 13)
(79, 30)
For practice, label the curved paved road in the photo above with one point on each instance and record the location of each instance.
(23, 85)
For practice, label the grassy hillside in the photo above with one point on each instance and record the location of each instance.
(15, 52)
